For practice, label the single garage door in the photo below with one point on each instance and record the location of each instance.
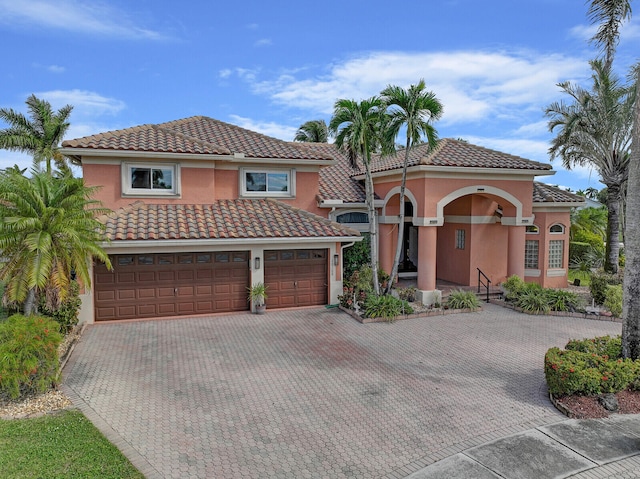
(296, 277)
(154, 285)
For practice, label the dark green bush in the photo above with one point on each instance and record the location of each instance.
(598, 287)
(385, 306)
(356, 256)
(590, 367)
(459, 299)
(67, 314)
(28, 355)
(613, 300)
(561, 300)
(533, 299)
(513, 285)
(407, 294)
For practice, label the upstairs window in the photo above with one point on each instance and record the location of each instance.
(556, 229)
(267, 183)
(145, 180)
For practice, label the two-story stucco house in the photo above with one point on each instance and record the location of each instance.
(202, 209)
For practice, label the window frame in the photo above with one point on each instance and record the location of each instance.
(557, 232)
(291, 183)
(552, 262)
(528, 255)
(461, 239)
(128, 190)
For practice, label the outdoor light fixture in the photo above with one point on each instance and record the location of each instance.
(336, 259)
(256, 263)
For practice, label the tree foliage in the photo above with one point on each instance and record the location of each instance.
(49, 231)
(313, 131)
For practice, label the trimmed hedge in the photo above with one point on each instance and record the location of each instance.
(590, 367)
(28, 355)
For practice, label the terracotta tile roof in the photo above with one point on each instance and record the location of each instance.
(543, 193)
(335, 180)
(224, 219)
(196, 135)
(450, 152)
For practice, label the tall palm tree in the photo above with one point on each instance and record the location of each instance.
(313, 131)
(357, 129)
(40, 135)
(48, 230)
(414, 109)
(595, 130)
(609, 15)
(631, 297)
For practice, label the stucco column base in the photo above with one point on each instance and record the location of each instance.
(429, 298)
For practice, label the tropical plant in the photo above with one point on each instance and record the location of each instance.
(613, 300)
(609, 15)
(40, 135)
(356, 256)
(533, 299)
(414, 110)
(592, 220)
(512, 286)
(460, 299)
(357, 129)
(66, 314)
(561, 300)
(385, 306)
(257, 294)
(314, 131)
(595, 129)
(49, 232)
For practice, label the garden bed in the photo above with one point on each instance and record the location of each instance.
(419, 313)
(589, 407)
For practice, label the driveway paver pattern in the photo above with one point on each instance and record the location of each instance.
(312, 392)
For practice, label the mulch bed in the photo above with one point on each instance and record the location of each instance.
(588, 407)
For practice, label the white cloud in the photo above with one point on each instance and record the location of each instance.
(472, 85)
(56, 69)
(225, 73)
(85, 103)
(273, 129)
(263, 42)
(95, 18)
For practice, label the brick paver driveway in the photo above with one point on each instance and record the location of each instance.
(313, 393)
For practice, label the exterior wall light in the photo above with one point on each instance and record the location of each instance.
(336, 259)
(256, 262)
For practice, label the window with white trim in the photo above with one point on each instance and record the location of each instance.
(146, 179)
(532, 230)
(267, 182)
(531, 249)
(556, 253)
(556, 229)
(460, 239)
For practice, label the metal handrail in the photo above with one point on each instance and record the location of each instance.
(486, 284)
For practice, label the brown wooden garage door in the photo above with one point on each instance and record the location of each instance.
(296, 277)
(154, 285)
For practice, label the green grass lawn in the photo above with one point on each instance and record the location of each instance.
(64, 445)
(583, 276)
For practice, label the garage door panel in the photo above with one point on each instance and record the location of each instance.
(125, 277)
(170, 285)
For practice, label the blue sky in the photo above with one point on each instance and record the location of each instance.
(271, 66)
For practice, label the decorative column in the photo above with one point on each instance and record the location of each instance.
(427, 247)
(515, 258)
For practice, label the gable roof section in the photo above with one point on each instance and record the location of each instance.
(457, 153)
(195, 135)
(224, 219)
(543, 193)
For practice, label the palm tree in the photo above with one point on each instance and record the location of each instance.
(48, 231)
(40, 135)
(595, 129)
(357, 129)
(415, 110)
(591, 193)
(314, 131)
(609, 15)
(631, 297)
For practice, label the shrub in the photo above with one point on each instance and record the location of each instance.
(613, 300)
(459, 299)
(576, 372)
(533, 299)
(28, 355)
(560, 300)
(513, 285)
(357, 256)
(600, 282)
(600, 346)
(67, 314)
(385, 306)
(407, 294)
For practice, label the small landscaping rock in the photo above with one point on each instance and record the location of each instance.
(609, 402)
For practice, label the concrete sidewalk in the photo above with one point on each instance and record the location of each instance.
(602, 448)
(313, 393)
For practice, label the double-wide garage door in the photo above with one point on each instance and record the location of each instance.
(155, 285)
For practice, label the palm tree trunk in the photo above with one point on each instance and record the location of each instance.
(613, 229)
(631, 301)
(30, 303)
(373, 226)
(396, 259)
